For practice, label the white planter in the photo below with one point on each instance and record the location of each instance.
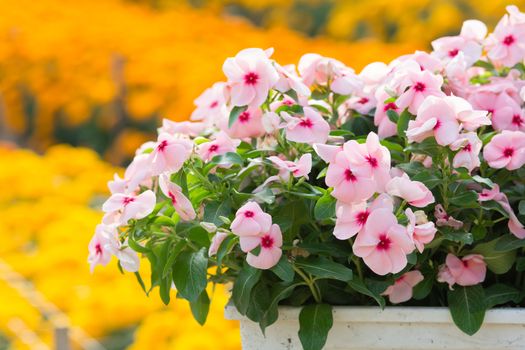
(407, 328)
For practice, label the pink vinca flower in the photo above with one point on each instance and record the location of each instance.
(370, 158)
(300, 168)
(327, 152)
(435, 118)
(468, 43)
(248, 124)
(469, 118)
(120, 208)
(251, 75)
(250, 220)
(383, 244)
(402, 288)
(506, 45)
(184, 128)
(289, 80)
(137, 173)
(350, 185)
(468, 146)
(468, 271)
(514, 224)
(99, 254)
(506, 150)
(270, 243)
(221, 145)
(385, 127)
(169, 154)
(351, 218)
(216, 242)
(180, 202)
(414, 192)
(211, 104)
(507, 114)
(421, 233)
(421, 84)
(309, 128)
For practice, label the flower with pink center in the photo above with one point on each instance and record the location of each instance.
(351, 218)
(106, 243)
(385, 127)
(169, 154)
(250, 220)
(414, 192)
(467, 271)
(469, 118)
(316, 69)
(370, 158)
(211, 104)
(468, 147)
(350, 185)
(120, 208)
(444, 219)
(384, 243)
(180, 202)
(420, 85)
(248, 124)
(421, 233)
(360, 102)
(506, 45)
(270, 243)
(99, 253)
(289, 80)
(506, 150)
(310, 128)
(491, 194)
(507, 114)
(221, 145)
(137, 173)
(435, 117)
(402, 288)
(216, 242)
(184, 128)
(346, 82)
(251, 75)
(301, 167)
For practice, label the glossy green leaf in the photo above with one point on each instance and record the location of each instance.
(201, 307)
(467, 307)
(189, 274)
(315, 321)
(324, 268)
(242, 288)
(235, 113)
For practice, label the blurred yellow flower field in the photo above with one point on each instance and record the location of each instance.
(49, 211)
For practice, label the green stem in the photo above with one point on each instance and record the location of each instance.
(310, 283)
(358, 267)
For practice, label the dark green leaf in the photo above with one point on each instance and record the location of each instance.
(284, 269)
(324, 268)
(464, 199)
(141, 282)
(520, 264)
(213, 210)
(402, 123)
(498, 262)
(315, 321)
(325, 207)
(360, 287)
(189, 274)
(392, 115)
(227, 159)
(521, 207)
(165, 289)
(338, 250)
(243, 286)
(467, 307)
(201, 307)
(279, 292)
(509, 242)
(235, 113)
(498, 294)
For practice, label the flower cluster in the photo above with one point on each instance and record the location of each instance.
(287, 180)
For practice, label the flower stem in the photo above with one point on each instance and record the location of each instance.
(310, 283)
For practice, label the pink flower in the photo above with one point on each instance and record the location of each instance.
(468, 271)
(300, 168)
(250, 220)
(507, 114)
(443, 219)
(251, 75)
(467, 43)
(385, 127)
(99, 253)
(421, 233)
(350, 185)
(248, 124)
(469, 118)
(506, 45)
(514, 224)
(414, 192)
(346, 82)
(221, 145)
(106, 243)
(327, 152)
(506, 150)
(421, 84)
(402, 288)
(169, 154)
(120, 208)
(310, 128)
(270, 243)
(492, 194)
(216, 242)
(316, 69)
(185, 128)
(211, 104)
(435, 118)
(289, 80)
(137, 173)
(180, 202)
(370, 158)
(468, 146)
(384, 244)
(351, 218)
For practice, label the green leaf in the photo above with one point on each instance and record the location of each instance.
(464, 199)
(392, 115)
(428, 146)
(213, 210)
(324, 268)
(402, 123)
(325, 207)
(467, 307)
(428, 178)
(455, 236)
(499, 293)
(520, 264)
(284, 269)
(173, 253)
(165, 289)
(483, 180)
(509, 242)
(189, 274)
(479, 232)
(484, 64)
(315, 321)
(243, 286)
(360, 287)
(335, 249)
(227, 159)
(141, 282)
(201, 307)
(499, 262)
(235, 113)
(521, 207)
(423, 288)
(279, 292)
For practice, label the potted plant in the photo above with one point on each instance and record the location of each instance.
(320, 192)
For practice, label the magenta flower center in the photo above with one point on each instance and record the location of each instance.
(266, 241)
(363, 100)
(162, 145)
(349, 175)
(508, 152)
(372, 161)
(172, 197)
(419, 87)
(306, 123)
(249, 214)
(438, 124)
(491, 111)
(214, 104)
(390, 105)
(287, 102)
(362, 217)
(213, 148)
(516, 120)
(98, 249)
(251, 78)
(467, 148)
(384, 242)
(509, 40)
(453, 53)
(244, 117)
(127, 200)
